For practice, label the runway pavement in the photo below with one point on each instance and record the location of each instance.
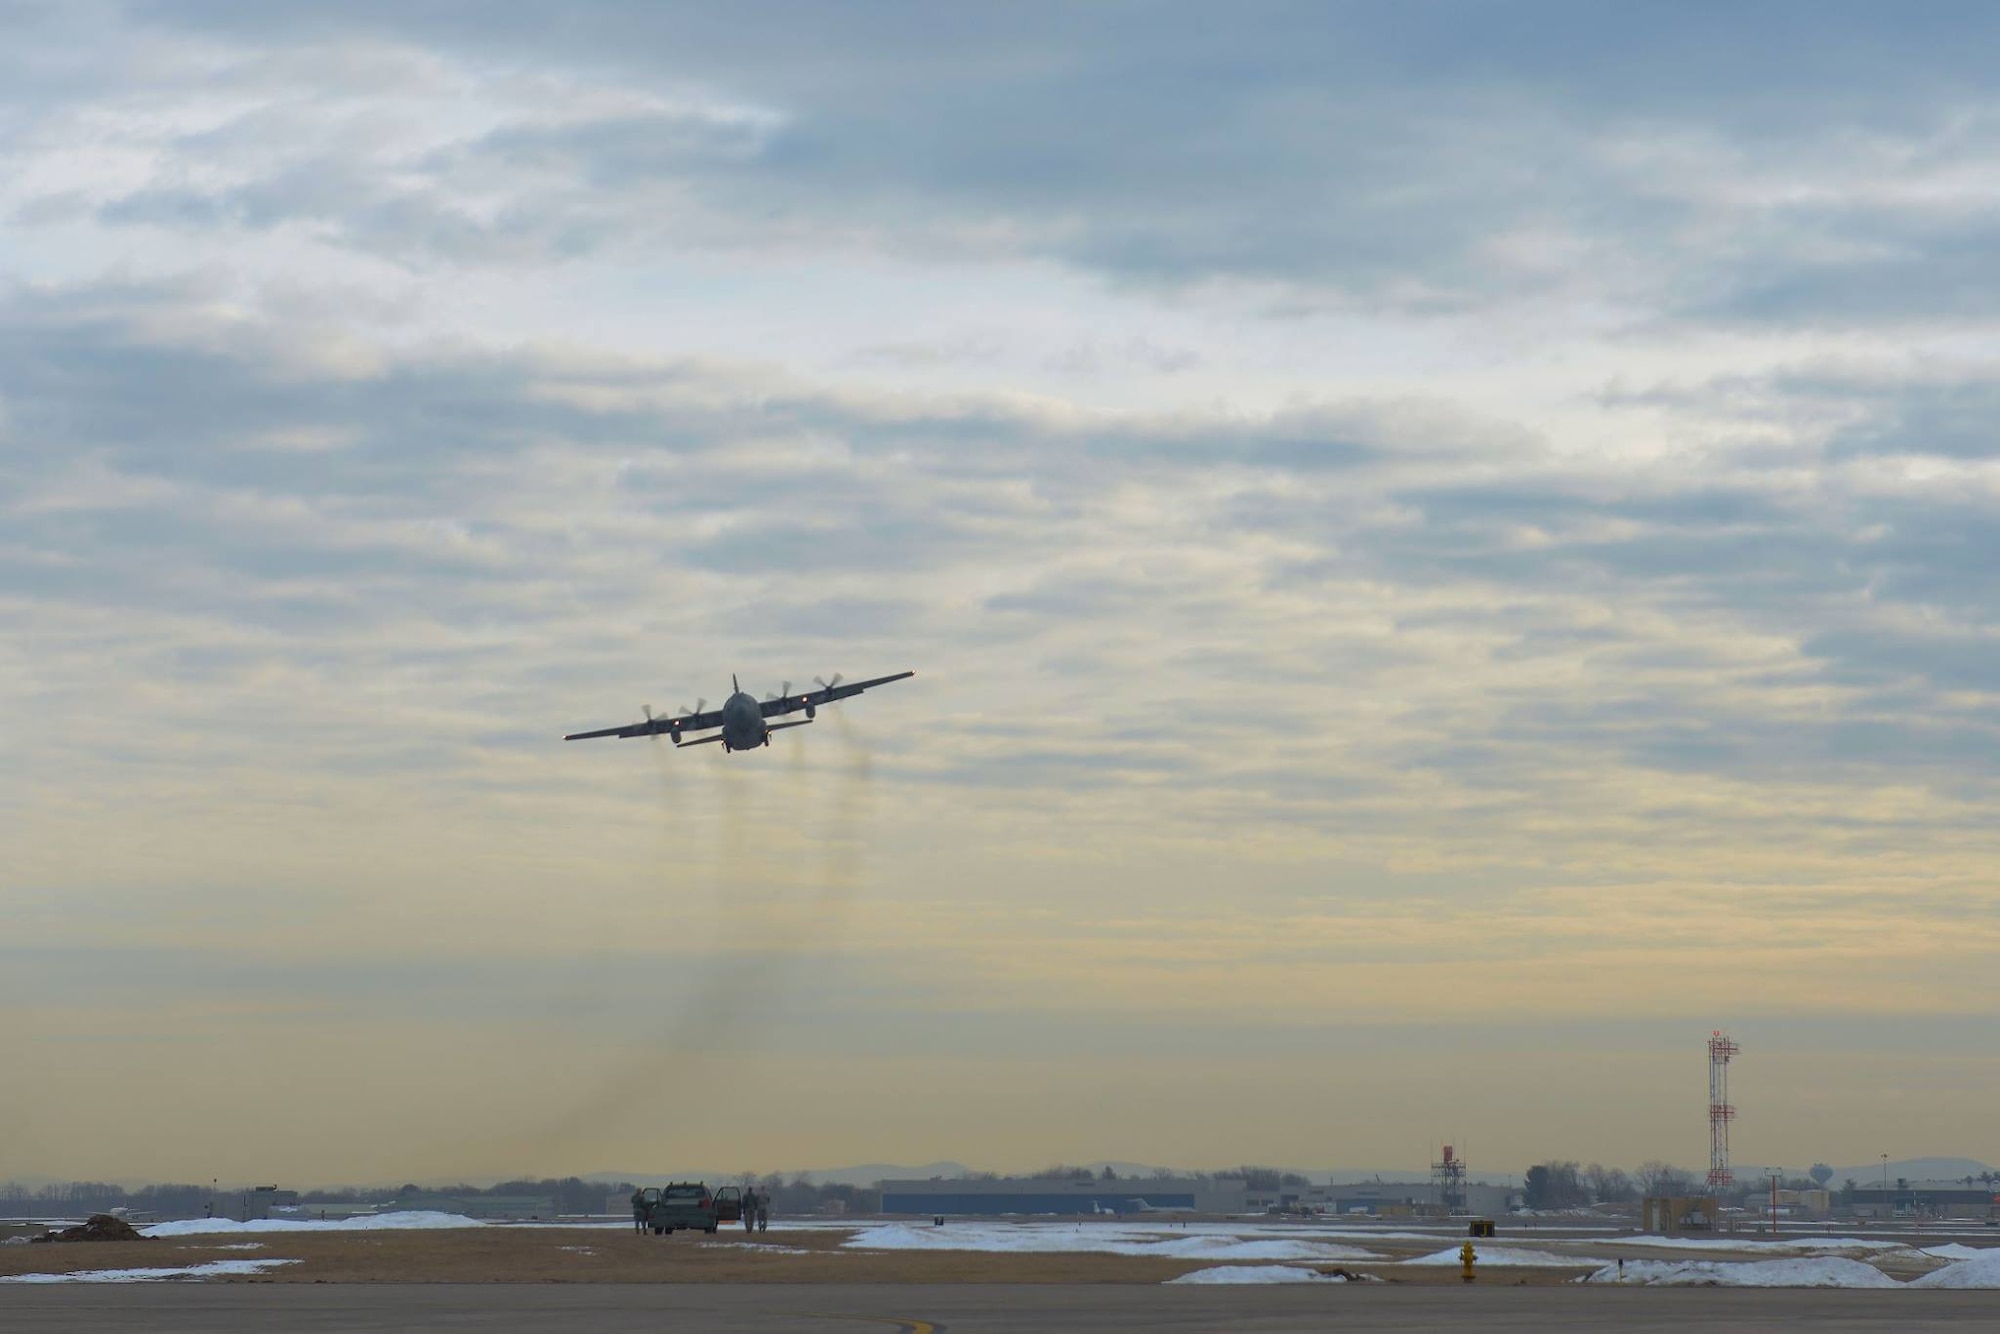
(967, 1309)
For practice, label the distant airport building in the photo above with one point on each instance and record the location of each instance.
(1927, 1199)
(484, 1206)
(1202, 1195)
(1381, 1199)
(1791, 1203)
(1679, 1215)
(1064, 1196)
(252, 1203)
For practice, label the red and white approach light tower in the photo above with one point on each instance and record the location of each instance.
(1720, 1113)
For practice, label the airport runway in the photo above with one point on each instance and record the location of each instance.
(818, 1309)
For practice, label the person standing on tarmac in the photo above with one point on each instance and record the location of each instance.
(639, 1209)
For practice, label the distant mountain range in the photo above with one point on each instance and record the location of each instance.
(1913, 1169)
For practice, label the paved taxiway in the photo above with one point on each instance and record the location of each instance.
(785, 1308)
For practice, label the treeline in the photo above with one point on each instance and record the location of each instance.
(1566, 1185)
(800, 1194)
(1256, 1178)
(98, 1197)
(572, 1195)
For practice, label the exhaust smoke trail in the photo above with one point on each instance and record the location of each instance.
(840, 845)
(665, 764)
(769, 823)
(581, 990)
(764, 922)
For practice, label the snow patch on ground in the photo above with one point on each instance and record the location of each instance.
(1752, 1245)
(1821, 1271)
(1503, 1257)
(1982, 1271)
(213, 1269)
(1951, 1250)
(413, 1219)
(1371, 1234)
(1101, 1239)
(1257, 1274)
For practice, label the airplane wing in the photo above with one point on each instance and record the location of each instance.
(691, 722)
(827, 695)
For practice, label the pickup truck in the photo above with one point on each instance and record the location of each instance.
(690, 1205)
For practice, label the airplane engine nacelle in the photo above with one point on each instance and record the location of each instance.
(810, 710)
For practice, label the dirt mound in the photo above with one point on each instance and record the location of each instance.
(100, 1227)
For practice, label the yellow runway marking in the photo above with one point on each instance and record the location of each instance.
(907, 1326)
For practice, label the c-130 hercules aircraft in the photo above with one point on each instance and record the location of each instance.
(741, 718)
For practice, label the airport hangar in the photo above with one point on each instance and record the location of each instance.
(1076, 1195)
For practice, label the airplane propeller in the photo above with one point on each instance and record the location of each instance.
(783, 691)
(825, 684)
(652, 724)
(699, 705)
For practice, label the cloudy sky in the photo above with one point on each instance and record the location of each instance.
(1448, 551)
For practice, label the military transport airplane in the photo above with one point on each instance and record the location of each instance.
(741, 718)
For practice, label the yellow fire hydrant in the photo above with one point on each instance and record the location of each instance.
(1468, 1258)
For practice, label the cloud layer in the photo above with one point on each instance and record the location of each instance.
(1383, 509)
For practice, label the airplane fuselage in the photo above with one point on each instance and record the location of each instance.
(743, 725)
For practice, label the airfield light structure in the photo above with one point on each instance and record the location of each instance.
(1448, 1181)
(1720, 1113)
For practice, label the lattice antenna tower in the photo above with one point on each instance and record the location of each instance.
(1720, 1113)
(1448, 1182)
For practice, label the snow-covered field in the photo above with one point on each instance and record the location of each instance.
(1821, 1271)
(413, 1220)
(1258, 1274)
(1259, 1252)
(1251, 1251)
(1981, 1270)
(1775, 1245)
(212, 1269)
(1098, 1238)
(1490, 1256)
(1951, 1250)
